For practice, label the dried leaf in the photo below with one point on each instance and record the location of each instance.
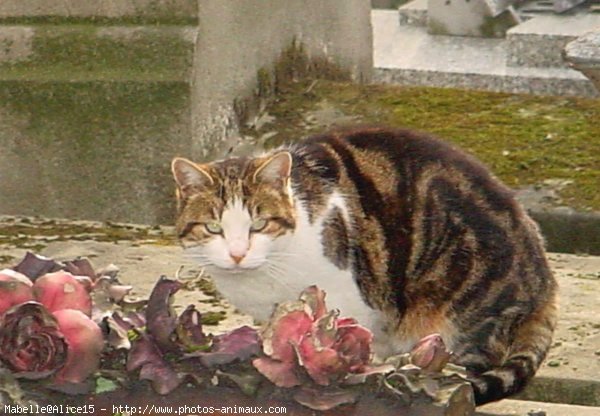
(145, 355)
(237, 345)
(81, 266)
(282, 374)
(324, 399)
(34, 266)
(160, 317)
(190, 335)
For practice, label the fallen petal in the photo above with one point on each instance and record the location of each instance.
(280, 373)
(60, 290)
(81, 267)
(85, 341)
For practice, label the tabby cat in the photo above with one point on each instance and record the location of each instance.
(404, 232)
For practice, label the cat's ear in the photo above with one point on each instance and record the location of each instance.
(275, 170)
(189, 176)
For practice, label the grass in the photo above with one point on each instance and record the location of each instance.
(523, 139)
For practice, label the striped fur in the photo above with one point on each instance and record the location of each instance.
(432, 240)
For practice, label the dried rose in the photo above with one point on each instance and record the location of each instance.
(61, 290)
(85, 341)
(353, 344)
(430, 353)
(31, 343)
(303, 334)
(15, 288)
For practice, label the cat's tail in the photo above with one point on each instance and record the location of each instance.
(532, 341)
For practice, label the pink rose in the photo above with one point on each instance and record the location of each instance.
(303, 337)
(15, 288)
(62, 290)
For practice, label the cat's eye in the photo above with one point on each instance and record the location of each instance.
(258, 224)
(213, 227)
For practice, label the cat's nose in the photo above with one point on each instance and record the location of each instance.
(236, 259)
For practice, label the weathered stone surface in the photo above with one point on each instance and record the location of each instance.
(231, 52)
(98, 8)
(92, 112)
(413, 13)
(535, 408)
(146, 254)
(584, 55)
(539, 42)
(408, 55)
(481, 18)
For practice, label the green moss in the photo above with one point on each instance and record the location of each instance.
(80, 51)
(293, 64)
(435, 27)
(33, 236)
(170, 19)
(212, 318)
(207, 287)
(497, 26)
(5, 259)
(523, 139)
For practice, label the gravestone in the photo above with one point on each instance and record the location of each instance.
(481, 18)
(583, 54)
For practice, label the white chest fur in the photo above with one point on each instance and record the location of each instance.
(296, 262)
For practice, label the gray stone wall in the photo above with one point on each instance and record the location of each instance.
(238, 37)
(97, 97)
(98, 8)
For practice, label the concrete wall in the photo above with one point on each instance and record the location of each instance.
(97, 8)
(238, 37)
(90, 123)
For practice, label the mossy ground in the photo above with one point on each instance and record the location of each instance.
(523, 139)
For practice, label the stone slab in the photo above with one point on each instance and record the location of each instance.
(527, 408)
(413, 13)
(584, 55)
(410, 56)
(92, 148)
(577, 339)
(14, 9)
(479, 18)
(539, 42)
(75, 50)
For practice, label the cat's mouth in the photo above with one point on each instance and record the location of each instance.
(238, 269)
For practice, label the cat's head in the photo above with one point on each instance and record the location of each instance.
(231, 212)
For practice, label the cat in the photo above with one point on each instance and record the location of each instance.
(404, 232)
